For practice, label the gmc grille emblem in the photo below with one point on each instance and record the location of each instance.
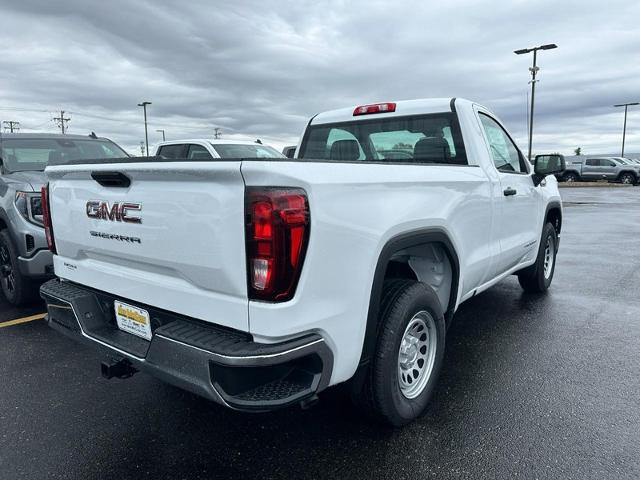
(118, 212)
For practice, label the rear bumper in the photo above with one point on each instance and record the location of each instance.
(220, 364)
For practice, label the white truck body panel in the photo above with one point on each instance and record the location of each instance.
(191, 259)
(354, 213)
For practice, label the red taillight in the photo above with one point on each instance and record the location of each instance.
(46, 218)
(277, 232)
(375, 108)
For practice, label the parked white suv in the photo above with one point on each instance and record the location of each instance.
(259, 283)
(202, 149)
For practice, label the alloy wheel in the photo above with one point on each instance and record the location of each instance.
(7, 277)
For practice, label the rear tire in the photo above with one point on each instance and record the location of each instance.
(16, 288)
(409, 352)
(538, 277)
(570, 177)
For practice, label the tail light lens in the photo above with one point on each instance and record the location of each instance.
(375, 108)
(46, 218)
(277, 233)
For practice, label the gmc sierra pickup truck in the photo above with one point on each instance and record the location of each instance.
(259, 283)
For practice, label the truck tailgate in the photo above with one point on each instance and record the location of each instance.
(186, 254)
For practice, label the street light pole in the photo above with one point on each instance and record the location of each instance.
(161, 130)
(146, 136)
(534, 70)
(624, 128)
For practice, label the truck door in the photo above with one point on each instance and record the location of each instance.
(609, 169)
(591, 170)
(518, 225)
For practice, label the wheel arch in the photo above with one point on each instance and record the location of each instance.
(553, 215)
(397, 244)
(571, 171)
(4, 223)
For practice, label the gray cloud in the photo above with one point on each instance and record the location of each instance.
(262, 68)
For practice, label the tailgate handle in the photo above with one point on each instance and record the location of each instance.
(111, 179)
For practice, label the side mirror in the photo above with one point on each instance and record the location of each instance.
(544, 165)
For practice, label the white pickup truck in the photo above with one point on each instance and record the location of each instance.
(259, 283)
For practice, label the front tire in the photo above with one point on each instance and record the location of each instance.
(538, 277)
(16, 288)
(409, 352)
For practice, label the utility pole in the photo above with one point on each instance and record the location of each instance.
(61, 120)
(624, 128)
(217, 133)
(11, 126)
(146, 135)
(534, 70)
(161, 130)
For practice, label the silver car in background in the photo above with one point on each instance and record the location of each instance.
(589, 169)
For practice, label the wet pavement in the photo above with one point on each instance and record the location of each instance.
(532, 387)
(9, 312)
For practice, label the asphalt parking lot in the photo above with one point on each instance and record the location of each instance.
(532, 387)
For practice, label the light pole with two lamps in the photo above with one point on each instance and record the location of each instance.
(534, 70)
(146, 136)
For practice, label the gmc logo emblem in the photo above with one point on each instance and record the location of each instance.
(118, 212)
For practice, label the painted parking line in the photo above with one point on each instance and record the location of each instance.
(18, 321)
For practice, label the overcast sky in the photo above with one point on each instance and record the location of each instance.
(261, 69)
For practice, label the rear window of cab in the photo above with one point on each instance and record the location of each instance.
(429, 139)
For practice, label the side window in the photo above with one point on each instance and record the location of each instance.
(198, 152)
(607, 163)
(592, 162)
(171, 152)
(506, 156)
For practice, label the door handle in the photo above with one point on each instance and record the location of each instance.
(509, 191)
